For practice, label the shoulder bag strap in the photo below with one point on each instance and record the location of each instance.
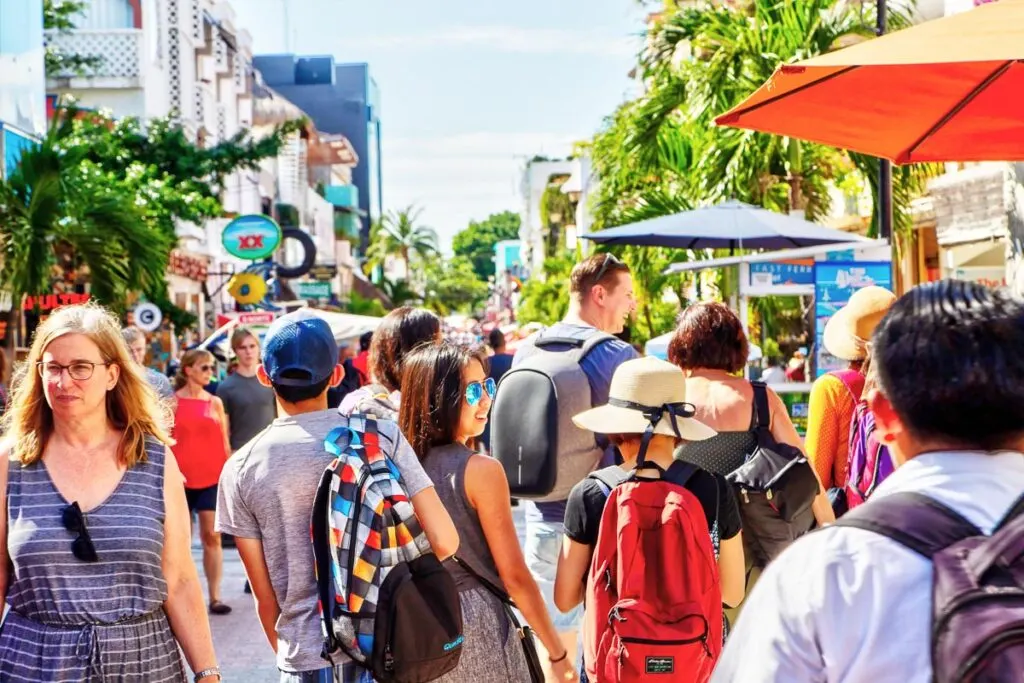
(913, 520)
(762, 410)
(486, 583)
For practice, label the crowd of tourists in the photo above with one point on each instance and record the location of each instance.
(677, 527)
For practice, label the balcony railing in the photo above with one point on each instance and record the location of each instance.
(119, 51)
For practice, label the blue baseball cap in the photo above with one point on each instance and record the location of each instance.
(300, 342)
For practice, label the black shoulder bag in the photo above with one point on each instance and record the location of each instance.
(779, 471)
(524, 632)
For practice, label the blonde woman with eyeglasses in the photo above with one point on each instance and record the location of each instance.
(95, 558)
(202, 447)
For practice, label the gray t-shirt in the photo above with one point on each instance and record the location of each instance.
(250, 407)
(161, 385)
(266, 492)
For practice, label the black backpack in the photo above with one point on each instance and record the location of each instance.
(775, 487)
(532, 433)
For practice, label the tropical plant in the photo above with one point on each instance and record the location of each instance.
(545, 299)
(399, 234)
(452, 286)
(56, 201)
(399, 291)
(477, 241)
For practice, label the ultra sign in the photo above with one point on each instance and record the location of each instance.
(252, 237)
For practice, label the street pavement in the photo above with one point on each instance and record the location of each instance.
(242, 649)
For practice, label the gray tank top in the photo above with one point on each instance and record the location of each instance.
(446, 467)
(49, 585)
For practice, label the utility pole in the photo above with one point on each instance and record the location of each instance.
(885, 167)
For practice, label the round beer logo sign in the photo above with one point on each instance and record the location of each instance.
(252, 237)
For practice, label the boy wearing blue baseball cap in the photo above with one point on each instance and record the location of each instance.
(267, 488)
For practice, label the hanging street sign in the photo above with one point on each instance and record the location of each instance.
(148, 317)
(314, 290)
(252, 237)
(324, 271)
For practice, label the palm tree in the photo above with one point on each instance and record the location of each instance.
(399, 234)
(57, 203)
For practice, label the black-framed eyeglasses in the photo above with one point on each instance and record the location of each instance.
(609, 259)
(206, 368)
(80, 370)
(73, 519)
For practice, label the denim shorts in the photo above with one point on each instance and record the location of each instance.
(543, 546)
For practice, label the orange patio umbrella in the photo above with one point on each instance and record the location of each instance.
(951, 89)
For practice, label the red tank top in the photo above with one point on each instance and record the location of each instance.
(199, 442)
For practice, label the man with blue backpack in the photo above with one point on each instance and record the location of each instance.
(925, 581)
(267, 493)
(555, 375)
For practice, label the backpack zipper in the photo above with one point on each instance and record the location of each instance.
(703, 640)
(967, 669)
(974, 596)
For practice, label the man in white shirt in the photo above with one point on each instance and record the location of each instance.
(846, 605)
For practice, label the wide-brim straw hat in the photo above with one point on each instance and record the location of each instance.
(848, 332)
(645, 383)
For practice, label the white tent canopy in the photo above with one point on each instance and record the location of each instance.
(345, 326)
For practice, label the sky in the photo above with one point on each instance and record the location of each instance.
(470, 89)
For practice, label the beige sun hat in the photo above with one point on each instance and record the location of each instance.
(645, 385)
(848, 332)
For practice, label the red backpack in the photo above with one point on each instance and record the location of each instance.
(654, 601)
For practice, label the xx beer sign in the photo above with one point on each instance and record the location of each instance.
(252, 237)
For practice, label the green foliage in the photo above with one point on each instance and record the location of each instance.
(358, 305)
(545, 299)
(663, 151)
(60, 15)
(452, 286)
(399, 291)
(58, 200)
(556, 211)
(399, 234)
(477, 241)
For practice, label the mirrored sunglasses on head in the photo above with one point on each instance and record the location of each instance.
(475, 391)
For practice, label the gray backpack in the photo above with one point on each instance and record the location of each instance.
(532, 433)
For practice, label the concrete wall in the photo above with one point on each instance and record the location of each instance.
(22, 79)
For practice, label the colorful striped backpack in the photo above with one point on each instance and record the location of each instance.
(385, 599)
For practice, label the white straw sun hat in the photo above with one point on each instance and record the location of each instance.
(848, 332)
(644, 389)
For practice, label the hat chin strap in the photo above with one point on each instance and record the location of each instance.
(654, 415)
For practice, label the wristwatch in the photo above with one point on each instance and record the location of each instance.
(212, 671)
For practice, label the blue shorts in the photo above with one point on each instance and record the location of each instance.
(203, 500)
(543, 546)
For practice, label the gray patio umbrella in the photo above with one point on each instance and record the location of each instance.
(729, 225)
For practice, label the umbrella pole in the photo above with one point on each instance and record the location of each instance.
(885, 167)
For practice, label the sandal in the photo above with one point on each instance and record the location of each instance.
(218, 607)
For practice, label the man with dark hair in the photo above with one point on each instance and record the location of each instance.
(498, 364)
(267, 488)
(600, 300)
(853, 602)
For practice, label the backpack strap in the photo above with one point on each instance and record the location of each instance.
(914, 520)
(578, 347)
(607, 479)
(852, 380)
(762, 410)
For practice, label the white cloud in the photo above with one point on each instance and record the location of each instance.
(514, 39)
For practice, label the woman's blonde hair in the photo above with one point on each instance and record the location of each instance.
(133, 407)
(188, 359)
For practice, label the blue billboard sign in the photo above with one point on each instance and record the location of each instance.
(834, 283)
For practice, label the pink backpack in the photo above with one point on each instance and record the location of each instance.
(870, 463)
